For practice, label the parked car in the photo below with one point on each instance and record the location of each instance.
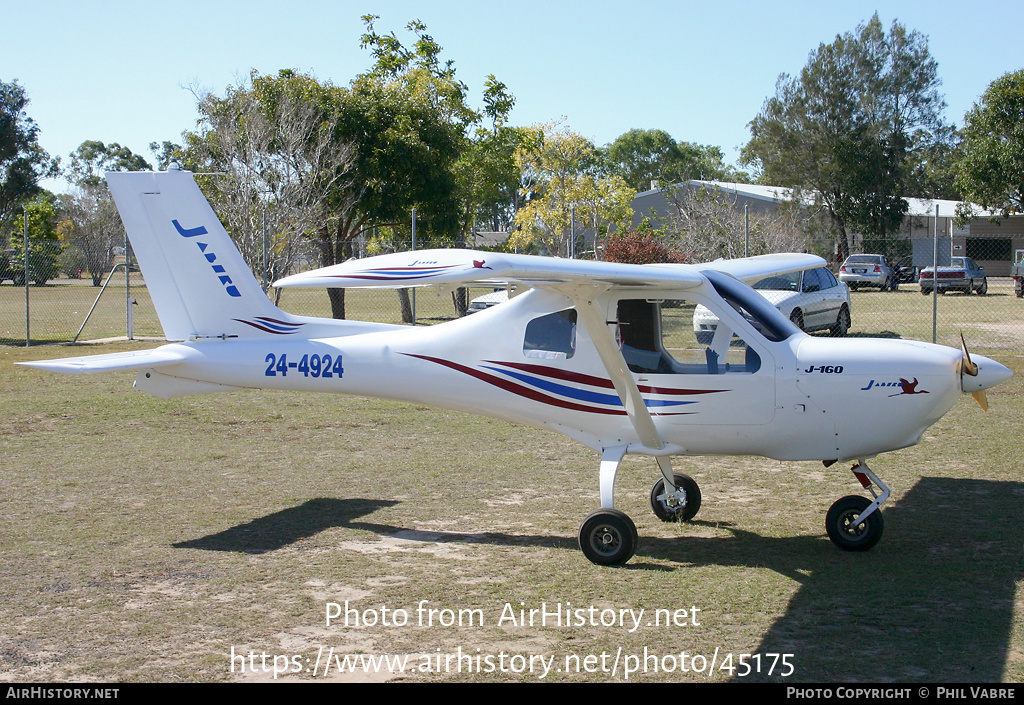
(813, 299)
(488, 300)
(1017, 272)
(906, 272)
(962, 274)
(868, 270)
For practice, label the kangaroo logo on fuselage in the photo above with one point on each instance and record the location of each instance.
(220, 271)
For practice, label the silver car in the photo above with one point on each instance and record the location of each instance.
(868, 270)
(813, 299)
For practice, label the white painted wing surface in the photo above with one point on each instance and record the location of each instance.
(753, 269)
(460, 267)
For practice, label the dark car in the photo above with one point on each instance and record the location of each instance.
(906, 272)
(962, 274)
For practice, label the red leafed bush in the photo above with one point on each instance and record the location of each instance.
(640, 247)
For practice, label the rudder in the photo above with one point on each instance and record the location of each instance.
(199, 283)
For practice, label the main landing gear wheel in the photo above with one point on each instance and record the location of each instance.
(847, 535)
(668, 509)
(608, 537)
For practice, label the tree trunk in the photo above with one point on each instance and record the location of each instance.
(406, 303)
(332, 251)
(461, 300)
(842, 241)
(337, 297)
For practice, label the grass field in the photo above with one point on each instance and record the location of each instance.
(152, 540)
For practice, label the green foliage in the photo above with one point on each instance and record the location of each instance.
(990, 161)
(330, 162)
(166, 153)
(487, 174)
(563, 186)
(93, 158)
(23, 162)
(845, 127)
(44, 245)
(645, 156)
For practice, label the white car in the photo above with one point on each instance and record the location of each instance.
(813, 299)
(869, 270)
(487, 300)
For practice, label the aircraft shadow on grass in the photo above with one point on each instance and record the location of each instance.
(934, 602)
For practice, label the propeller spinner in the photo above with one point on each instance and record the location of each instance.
(979, 374)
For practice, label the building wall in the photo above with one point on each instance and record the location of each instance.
(992, 245)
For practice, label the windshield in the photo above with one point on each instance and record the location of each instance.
(780, 282)
(767, 319)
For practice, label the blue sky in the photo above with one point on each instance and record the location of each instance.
(120, 71)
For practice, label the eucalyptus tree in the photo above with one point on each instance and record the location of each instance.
(336, 161)
(92, 158)
(990, 160)
(271, 159)
(23, 161)
(564, 187)
(845, 127)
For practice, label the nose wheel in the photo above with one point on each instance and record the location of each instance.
(854, 523)
(682, 504)
(847, 530)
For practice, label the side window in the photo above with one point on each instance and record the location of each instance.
(828, 279)
(552, 336)
(812, 282)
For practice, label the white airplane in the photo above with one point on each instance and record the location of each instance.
(604, 353)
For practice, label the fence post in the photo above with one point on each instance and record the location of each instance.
(413, 292)
(28, 338)
(128, 300)
(935, 275)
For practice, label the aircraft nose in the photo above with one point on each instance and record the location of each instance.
(989, 374)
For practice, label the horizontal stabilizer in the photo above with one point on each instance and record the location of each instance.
(91, 364)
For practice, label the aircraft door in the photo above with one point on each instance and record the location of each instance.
(729, 381)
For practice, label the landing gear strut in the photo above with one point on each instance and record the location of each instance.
(854, 523)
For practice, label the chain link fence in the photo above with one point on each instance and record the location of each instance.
(68, 309)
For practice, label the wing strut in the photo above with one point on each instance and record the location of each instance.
(626, 387)
(614, 364)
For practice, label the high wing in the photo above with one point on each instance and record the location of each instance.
(581, 280)
(752, 269)
(462, 267)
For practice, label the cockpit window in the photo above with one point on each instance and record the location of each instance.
(680, 336)
(753, 307)
(552, 336)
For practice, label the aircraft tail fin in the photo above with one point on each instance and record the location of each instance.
(199, 283)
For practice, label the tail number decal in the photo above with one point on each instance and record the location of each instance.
(320, 366)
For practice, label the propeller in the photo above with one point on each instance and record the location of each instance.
(967, 367)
